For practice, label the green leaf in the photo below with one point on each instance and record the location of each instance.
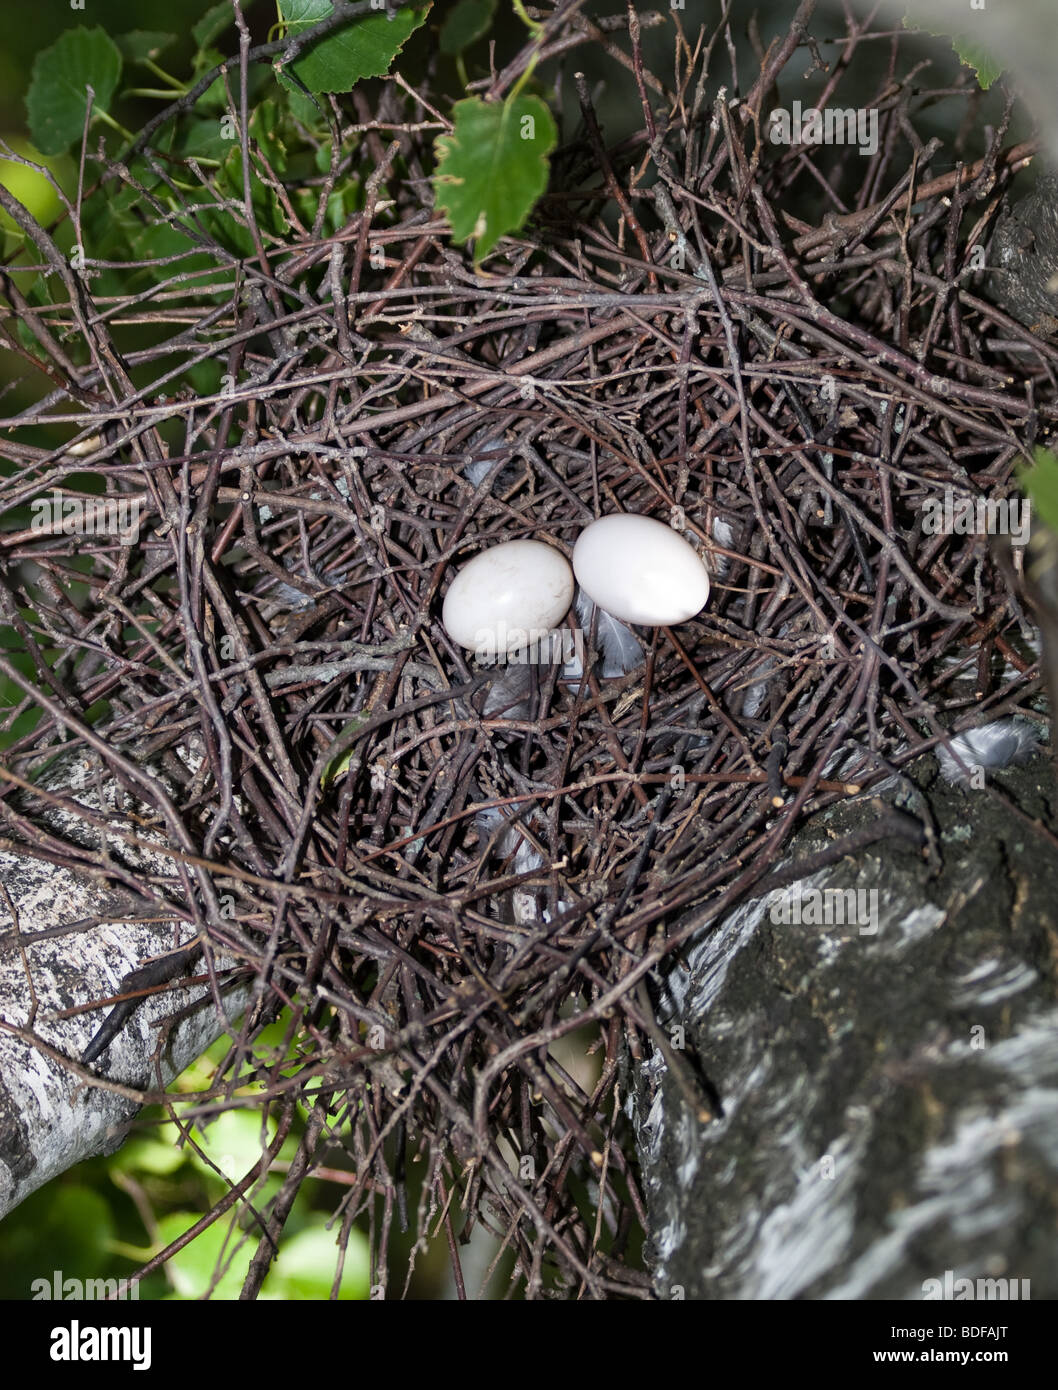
(493, 167)
(307, 1262)
(57, 99)
(268, 128)
(978, 58)
(202, 139)
(33, 190)
(205, 377)
(966, 47)
(1041, 484)
(468, 22)
(192, 1269)
(72, 1222)
(39, 296)
(232, 1141)
(146, 1154)
(346, 199)
(143, 45)
(160, 241)
(362, 49)
(213, 23)
(339, 765)
(300, 106)
(268, 210)
(215, 97)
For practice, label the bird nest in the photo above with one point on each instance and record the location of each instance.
(467, 898)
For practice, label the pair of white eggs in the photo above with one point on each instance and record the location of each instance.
(635, 568)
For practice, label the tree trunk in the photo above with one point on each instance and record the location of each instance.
(888, 1099)
(69, 935)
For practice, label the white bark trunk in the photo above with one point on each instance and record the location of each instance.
(68, 937)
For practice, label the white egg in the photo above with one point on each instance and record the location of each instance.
(640, 570)
(508, 597)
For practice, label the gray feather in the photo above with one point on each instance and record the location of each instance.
(508, 696)
(1000, 744)
(620, 647)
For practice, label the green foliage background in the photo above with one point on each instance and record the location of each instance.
(105, 1218)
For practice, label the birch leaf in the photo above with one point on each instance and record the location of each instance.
(493, 167)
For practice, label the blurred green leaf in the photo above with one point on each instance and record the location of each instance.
(215, 97)
(32, 190)
(978, 58)
(307, 1262)
(213, 23)
(192, 1269)
(469, 21)
(204, 377)
(57, 99)
(1040, 482)
(72, 1223)
(969, 51)
(145, 1154)
(233, 1141)
(143, 45)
